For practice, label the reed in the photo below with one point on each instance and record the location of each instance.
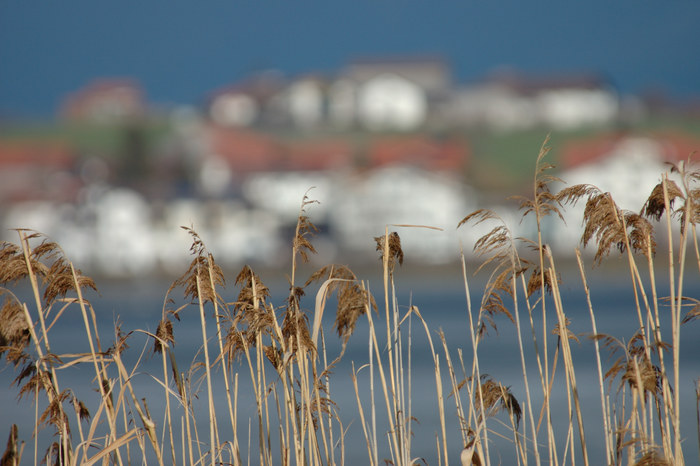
(280, 352)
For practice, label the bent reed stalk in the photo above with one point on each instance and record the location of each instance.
(280, 351)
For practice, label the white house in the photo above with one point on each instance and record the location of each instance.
(509, 101)
(629, 172)
(362, 206)
(573, 107)
(490, 106)
(391, 102)
(394, 95)
(342, 103)
(305, 102)
(245, 103)
(234, 109)
(105, 101)
(282, 193)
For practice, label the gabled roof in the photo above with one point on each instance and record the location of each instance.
(245, 151)
(27, 170)
(397, 60)
(431, 72)
(528, 84)
(77, 104)
(674, 145)
(319, 155)
(259, 86)
(418, 151)
(53, 154)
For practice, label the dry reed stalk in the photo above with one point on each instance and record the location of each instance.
(631, 233)
(403, 382)
(388, 394)
(526, 382)
(400, 416)
(207, 367)
(371, 451)
(606, 426)
(168, 410)
(239, 342)
(200, 283)
(163, 339)
(675, 328)
(214, 277)
(45, 370)
(523, 367)
(325, 404)
(697, 411)
(13, 453)
(390, 249)
(438, 381)
(100, 372)
(188, 430)
(542, 204)
(112, 447)
(475, 373)
(659, 345)
(126, 387)
(645, 405)
(659, 201)
(689, 217)
(568, 362)
(508, 252)
(498, 249)
(351, 304)
(494, 246)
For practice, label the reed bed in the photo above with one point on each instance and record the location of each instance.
(190, 413)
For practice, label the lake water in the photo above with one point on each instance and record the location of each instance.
(440, 297)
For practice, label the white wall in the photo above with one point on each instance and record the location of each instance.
(390, 102)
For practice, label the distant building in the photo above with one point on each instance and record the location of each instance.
(365, 204)
(414, 93)
(252, 102)
(432, 74)
(378, 95)
(232, 155)
(105, 101)
(418, 151)
(35, 170)
(242, 150)
(388, 94)
(318, 154)
(305, 100)
(510, 101)
(669, 146)
(626, 166)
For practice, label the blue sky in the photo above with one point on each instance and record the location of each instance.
(180, 50)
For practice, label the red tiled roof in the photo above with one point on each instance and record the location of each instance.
(80, 103)
(260, 86)
(245, 151)
(27, 170)
(249, 151)
(675, 146)
(46, 154)
(583, 152)
(325, 154)
(679, 146)
(531, 84)
(419, 151)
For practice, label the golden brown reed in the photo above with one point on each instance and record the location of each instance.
(296, 420)
(393, 251)
(497, 397)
